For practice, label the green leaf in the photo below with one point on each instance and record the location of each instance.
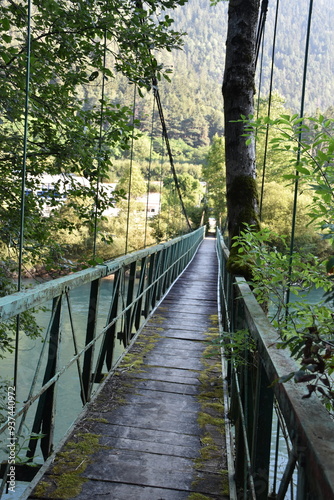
(6, 38)
(323, 157)
(5, 24)
(303, 170)
(95, 262)
(93, 76)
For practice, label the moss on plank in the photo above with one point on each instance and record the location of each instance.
(134, 359)
(211, 420)
(198, 496)
(98, 420)
(66, 479)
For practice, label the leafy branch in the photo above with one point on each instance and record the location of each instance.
(306, 329)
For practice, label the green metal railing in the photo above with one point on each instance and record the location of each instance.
(261, 409)
(140, 280)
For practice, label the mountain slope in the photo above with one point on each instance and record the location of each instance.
(204, 49)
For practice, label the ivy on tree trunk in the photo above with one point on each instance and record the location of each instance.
(238, 92)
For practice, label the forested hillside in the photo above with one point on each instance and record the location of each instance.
(205, 49)
(193, 101)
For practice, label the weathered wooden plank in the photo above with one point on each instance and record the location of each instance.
(196, 307)
(175, 352)
(189, 363)
(149, 469)
(179, 402)
(158, 419)
(174, 375)
(162, 386)
(194, 294)
(170, 449)
(116, 491)
(183, 323)
(185, 333)
(179, 345)
(182, 313)
(153, 435)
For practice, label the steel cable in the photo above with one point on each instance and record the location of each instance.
(269, 110)
(149, 175)
(100, 146)
(302, 104)
(169, 151)
(130, 173)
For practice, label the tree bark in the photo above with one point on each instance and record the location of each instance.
(238, 92)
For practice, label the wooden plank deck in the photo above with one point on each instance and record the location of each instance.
(156, 429)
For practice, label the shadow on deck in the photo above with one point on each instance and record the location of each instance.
(156, 430)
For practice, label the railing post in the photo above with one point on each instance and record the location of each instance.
(177, 265)
(90, 335)
(170, 275)
(183, 246)
(155, 288)
(301, 483)
(264, 400)
(238, 403)
(240, 458)
(138, 306)
(244, 386)
(149, 293)
(160, 268)
(163, 281)
(46, 408)
(129, 316)
(107, 347)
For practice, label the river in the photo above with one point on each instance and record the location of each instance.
(69, 402)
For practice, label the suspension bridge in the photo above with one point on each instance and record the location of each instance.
(151, 443)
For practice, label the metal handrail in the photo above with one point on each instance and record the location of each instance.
(308, 424)
(18, 302)
(141, 279)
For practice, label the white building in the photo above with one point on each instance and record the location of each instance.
(58, 185)
(152, 202)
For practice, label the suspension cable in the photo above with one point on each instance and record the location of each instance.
(130, 172)
(149, 175)
(260, 80)
(259, 90)
(294, 211)
(139, 5)
(100, 145)
(269, 111)
(22, 214)
(260, 30)
(25, 148)
(160, 180)
(169, 151)
(23, 181)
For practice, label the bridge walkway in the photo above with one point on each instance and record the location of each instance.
(155, 431)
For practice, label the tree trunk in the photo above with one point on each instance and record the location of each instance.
(238, 92)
